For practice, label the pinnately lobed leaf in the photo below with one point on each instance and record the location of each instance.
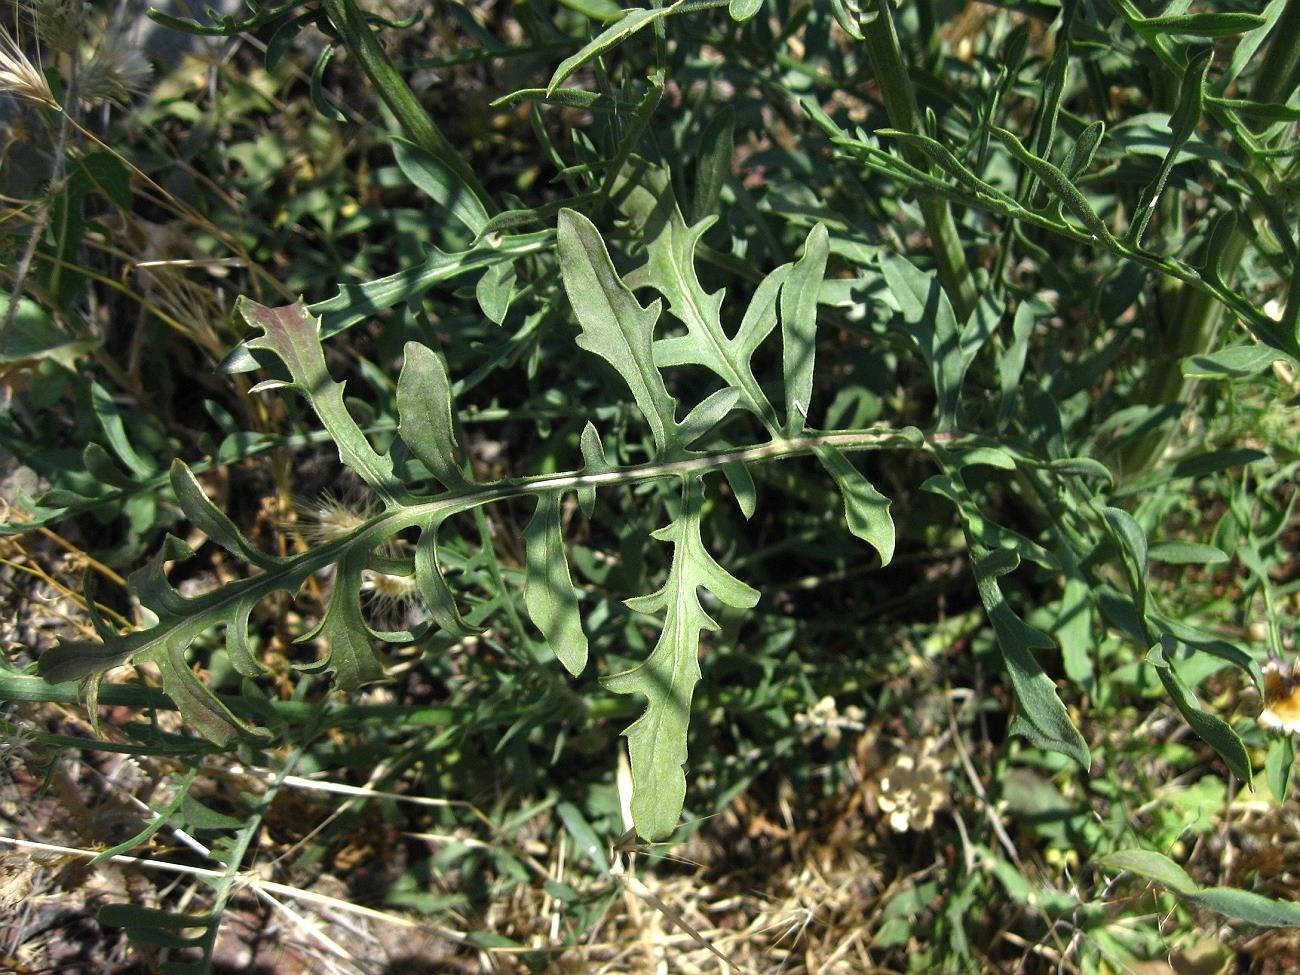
(293, 334)
(614, 325)
(667, 678)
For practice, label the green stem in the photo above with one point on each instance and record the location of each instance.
(361, 42)
(1194, 317)
(887, 64)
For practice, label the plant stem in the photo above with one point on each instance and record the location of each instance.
(360, 40)
(900, 105)
(1192, 323)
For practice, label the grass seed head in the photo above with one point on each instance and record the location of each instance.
(19, 76)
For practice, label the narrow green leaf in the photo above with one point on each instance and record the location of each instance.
(198, 705)
(150, 583)
(549, 594)
(667, 678)
(1041, 717)
(161, 818)
(589, 844)
(986, 457)
(238, 649)
(1152, 866)
(1203, 24)
(495, 290)
(114, 427)
(603, 10)
(1239, 657)
(1132, 542)
(933, 327)
(799, 327)
(433, 178)
(434, 591)
(706, 415)
(848, 15)
(1246, 905)
(865, 508)
(1083, 150)
(1060, 185)
(1074, 630)
(201, 817)
(593, 462)
(1187, 115)
(1279, 765)
(1186, 553)
(1243, 905)
(131, 916)
(425, 415)
(211, 520)
(1012, 364)
(358, 302)
(717, 145)
(742, 486)
(101, 466)
(1083, 467)
(316, 87)
(1237, 362)
(614, 325)
(1212, 730)
(1214, 461)
(950, 164)
(634, 20)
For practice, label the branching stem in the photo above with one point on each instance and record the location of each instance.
(900, 103)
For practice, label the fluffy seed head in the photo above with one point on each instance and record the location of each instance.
(115, 73)
(331, 516)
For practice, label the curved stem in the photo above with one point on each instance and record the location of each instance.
(900, 104)
(1195, 317)
(360, 40)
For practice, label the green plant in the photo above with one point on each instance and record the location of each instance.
(985, 268)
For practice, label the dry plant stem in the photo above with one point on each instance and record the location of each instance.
(248, 880)
(361, 42)
(42, 218)
(900, 103)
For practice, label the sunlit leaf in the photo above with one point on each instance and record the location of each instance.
(549, 594)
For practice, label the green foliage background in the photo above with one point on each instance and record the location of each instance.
(570, 372)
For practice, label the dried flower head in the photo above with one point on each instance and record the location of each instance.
(913, 789)
(331, 516)
(57, 22)
(824, 719)
(389, 597)
(19, 76)
(116, 72)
